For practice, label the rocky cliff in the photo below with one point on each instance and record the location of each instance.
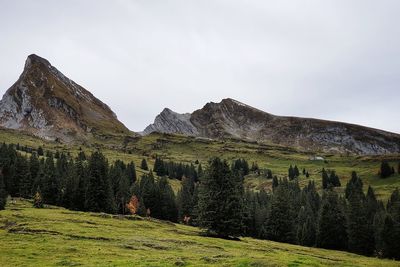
(47, 104)
(233, 119)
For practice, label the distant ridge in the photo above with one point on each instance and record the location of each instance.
(233, 119)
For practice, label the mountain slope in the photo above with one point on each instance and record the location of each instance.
(232, 119)
(47, 104)
(57, 237)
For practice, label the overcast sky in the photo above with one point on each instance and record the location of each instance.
(337, 60)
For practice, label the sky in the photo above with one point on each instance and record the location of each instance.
(331, 59)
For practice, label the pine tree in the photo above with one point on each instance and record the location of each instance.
(220, 204)
(360, 231)
(169, 209)
(99, 195)
(81, 184)
(185, 198)
(331, 230)
(280, 224)
(386, 170)
(23, 179)
(143, 165)
(3, 193)
(296, 171)
(325, 179)
(40, 151)
(390, 237)
(49, 182)
(306, 226)
(291, 174)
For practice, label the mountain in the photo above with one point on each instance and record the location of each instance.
(47, 104)
(233, 119)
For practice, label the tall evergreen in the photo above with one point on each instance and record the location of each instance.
(280, 224)
(325, 179)
(99, 196)
(143, 165)
(49, 184)
(169, 209)
(306, 226)
(385, 170)
(220, 204)
(185, 199)
(22, 177)
(3, 192)
(359, 227)
(331, 229)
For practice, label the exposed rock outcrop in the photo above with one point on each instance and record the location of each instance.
(233, 119)
(48, 104)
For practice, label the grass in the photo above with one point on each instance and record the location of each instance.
(58, 237)
(189, 149)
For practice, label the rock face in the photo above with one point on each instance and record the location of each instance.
(171, 122)
(232, 119)
(47, 104)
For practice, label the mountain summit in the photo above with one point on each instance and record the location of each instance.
(47, 104)
(233, 119)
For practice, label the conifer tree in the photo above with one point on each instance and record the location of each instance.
(220, 204)
(280, 224)
(99, 195)
(331, 230)
(144, 165)
(390, 238)
(291, 174)
(296, 171)
(386, 170)
(169, 209)
(360, 231)
(40, 151)
(185, 198)
(22, 178)
(325, 179)
(306, 226)
(3, 193)
(47, 181)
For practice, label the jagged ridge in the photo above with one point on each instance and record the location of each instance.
(233, 119)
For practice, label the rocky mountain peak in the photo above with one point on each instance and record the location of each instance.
(46, 103)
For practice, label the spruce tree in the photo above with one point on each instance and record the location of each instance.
(331, 230)
(359, 229)
(99, 195)
(169, 209)
(3, 193)
(280, 224)
(23, 179)
(49, 181)
(386, 170)
(144, 165)
(296, 171)
(325, 179)
(185, 198)
(390, 238)
(220, 203)
(306, 226)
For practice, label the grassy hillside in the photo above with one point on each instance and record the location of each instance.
(57, 237)
(189, 149)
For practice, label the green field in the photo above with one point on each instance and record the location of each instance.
(189, 149)
(58, 237)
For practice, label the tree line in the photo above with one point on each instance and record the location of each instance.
(214, 199)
